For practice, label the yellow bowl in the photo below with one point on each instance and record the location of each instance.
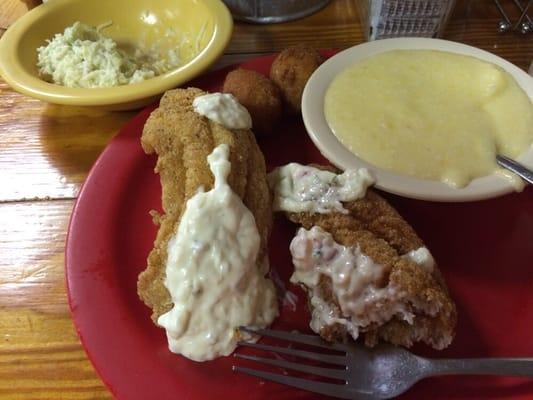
(201, 29)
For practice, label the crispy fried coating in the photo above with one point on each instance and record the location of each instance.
(183, 139)
(259, 95)
(383, 235)
(291, 70)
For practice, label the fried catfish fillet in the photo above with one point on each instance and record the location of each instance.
(364, 268)
(182, 140)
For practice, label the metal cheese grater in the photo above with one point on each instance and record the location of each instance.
(393, 18)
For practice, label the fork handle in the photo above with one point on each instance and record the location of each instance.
(482, 366)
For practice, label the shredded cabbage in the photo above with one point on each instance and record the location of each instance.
(82, 57)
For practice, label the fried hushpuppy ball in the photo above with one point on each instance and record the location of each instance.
(291, 70)
(259, 95)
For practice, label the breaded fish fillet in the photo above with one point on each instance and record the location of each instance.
(183, 139)
(383, 235)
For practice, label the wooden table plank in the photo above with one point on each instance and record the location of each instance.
(32, 240)
(40, 353)
(10, 11)
(475, 23)
(41, 358)
(47, 150)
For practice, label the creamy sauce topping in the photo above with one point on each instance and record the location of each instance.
(212, 273)
(357, 282)
(422, 257)
(224, 109)
(299, 188)
(430, 114)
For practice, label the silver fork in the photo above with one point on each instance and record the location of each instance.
(380, 373)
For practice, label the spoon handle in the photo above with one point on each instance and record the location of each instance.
(519, 169)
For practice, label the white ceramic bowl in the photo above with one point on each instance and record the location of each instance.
(321, 134)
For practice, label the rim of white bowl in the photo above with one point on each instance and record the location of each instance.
(318, 129)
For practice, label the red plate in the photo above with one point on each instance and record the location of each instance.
(484, 249)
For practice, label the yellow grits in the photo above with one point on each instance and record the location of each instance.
(430, 114)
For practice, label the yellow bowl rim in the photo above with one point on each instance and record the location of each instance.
(30, 85)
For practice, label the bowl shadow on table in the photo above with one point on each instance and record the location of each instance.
(72, 138)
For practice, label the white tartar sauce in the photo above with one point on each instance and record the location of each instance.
(223, 108)
(355, 281)
(300, 188)
(212, 273)
(422, 257)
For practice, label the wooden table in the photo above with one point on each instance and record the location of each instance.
(45, 154)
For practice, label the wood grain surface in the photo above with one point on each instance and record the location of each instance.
(10, 10)
(46, 152)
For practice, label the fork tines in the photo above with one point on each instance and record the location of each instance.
(331, 389)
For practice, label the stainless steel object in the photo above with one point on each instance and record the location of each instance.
(368, 374)
(524, 24)
(400, 18)
(528, 22)
(273, 11)
(525, 27)
(519, 169)
(505, 24)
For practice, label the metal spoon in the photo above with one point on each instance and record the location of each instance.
(519, 169)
